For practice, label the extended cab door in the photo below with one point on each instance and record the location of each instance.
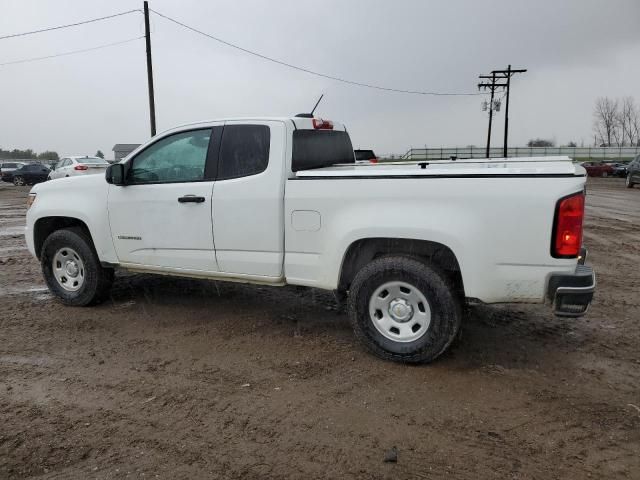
(248, 199)
(162, 217)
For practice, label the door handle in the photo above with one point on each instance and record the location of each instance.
(190, 199)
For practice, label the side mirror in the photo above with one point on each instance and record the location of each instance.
(115, 174)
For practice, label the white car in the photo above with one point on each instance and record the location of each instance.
(77, 165)
(278, 201)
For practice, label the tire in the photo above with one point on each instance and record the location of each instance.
(18, 181)
(443, 309)
(605, 174)
(629, 183)
(91, 283)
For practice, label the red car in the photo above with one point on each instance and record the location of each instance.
(595, 169)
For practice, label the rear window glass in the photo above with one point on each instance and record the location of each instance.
(244, 151)
(92, 160)
(364, 154)
(320, 148)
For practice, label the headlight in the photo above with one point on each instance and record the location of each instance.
(30, 199)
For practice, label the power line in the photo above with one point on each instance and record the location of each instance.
(68, 25)
(71, 52)
(306, 70)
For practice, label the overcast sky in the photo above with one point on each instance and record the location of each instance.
(575, 51)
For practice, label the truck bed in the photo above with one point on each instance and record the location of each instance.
(507, 167)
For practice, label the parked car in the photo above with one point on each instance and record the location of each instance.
(7, 169)
(30, 174)
(365, 156)
(408, 244)
(597, 169)
(72, 166)
(619, 169)
(633, 172)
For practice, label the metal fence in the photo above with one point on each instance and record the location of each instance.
(584, 154)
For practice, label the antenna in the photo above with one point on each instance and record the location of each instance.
(310, 115)
(317, 103)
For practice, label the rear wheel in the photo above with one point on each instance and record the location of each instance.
(72, 269)
(18, 181)
(404, 310)
(629, 182)
(605, 174)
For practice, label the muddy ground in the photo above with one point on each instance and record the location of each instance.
(194, 379)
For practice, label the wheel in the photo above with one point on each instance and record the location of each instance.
(72, 269)
(605, 174)
(404, 310)
(18, 181)
(628, 182)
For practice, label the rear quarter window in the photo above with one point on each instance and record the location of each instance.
(320, 148)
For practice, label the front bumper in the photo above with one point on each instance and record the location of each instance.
(571, 293)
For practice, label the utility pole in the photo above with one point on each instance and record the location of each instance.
(508, 73)
(152, 103)
(493, 86)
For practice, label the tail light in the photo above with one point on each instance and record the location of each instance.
(567, 226)
(81, 167)
(374, 160)
(320, 124)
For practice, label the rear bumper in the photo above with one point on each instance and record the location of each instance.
(571, 293)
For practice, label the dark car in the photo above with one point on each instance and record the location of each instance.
(365, 156)
(7, 169)
(619, 169)
(30, 174)
(597, 169)
(633, 172)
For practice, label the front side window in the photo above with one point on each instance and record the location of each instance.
(244, 151)
(180, 157)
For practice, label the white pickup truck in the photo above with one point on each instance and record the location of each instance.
(281, 201)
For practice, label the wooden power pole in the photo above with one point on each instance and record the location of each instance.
(152, 102)
(495, 76)
(493, 86)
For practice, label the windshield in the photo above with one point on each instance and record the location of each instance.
(92, 161)
(320, 148)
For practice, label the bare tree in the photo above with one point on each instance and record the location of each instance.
(629, 121)
(606, 120)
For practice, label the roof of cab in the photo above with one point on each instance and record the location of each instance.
(301, 123)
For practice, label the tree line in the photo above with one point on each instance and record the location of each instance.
(616, 122)
(28, 154)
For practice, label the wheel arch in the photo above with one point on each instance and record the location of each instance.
(362, 251)
(45, 226)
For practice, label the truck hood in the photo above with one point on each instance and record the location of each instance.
(96, 182)
(509, 167)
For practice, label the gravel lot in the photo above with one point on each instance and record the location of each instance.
(193, 379)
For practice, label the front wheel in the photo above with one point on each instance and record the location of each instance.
(628, 182)
(18, 181)
(404, 310)
(72, 269)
